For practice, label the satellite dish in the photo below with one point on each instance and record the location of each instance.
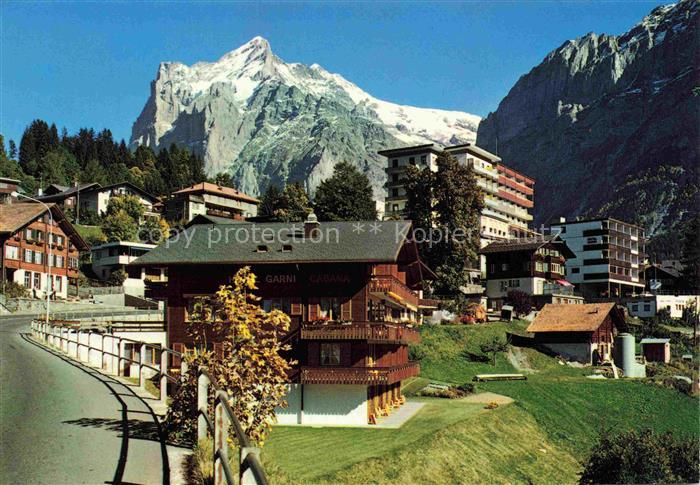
(654, 284)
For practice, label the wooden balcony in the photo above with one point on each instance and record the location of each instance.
(390, 287)
(377, 332)
(359, 375)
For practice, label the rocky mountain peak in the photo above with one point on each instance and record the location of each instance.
(268, 121)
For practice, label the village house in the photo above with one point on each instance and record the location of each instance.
(533, 265)
(210, 199)
(582, 333)
(34, 240)
(351, 289)
(647, 306)
(608, 256)
(96, 199)
(665, 277)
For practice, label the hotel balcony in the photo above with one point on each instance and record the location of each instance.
(392, 290)
(372, 332)
(359, 375)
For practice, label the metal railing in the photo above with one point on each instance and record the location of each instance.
(85, 344)
(250, 469)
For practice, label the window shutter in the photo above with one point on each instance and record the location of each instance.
(178, 347)
(346, 310)
(295, 307)
(313, 309)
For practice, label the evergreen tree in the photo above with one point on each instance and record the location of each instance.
(270, 202)
(224, 179)
(690, 253)
(345, 196)
(13, 150)
(447, 203)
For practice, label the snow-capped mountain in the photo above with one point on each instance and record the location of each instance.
(266, 121)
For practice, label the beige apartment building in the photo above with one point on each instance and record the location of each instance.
(508, 195)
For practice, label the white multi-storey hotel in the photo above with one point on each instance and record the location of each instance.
(508, 195)
(609, 256)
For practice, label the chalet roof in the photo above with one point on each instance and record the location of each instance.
(62, 192)
(279, 242)
(650, 270)
(209, 188)
(16, 215)
(571, 318)
(528, 244)
(131, 186)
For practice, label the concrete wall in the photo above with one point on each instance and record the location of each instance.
(649, 306)
(325, 404)
(578, 352)
(531, 286)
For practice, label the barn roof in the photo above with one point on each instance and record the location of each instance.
(571, 318)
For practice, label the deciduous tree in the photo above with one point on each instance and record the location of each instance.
(247, 363)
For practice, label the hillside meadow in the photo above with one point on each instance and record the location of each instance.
(540, 438)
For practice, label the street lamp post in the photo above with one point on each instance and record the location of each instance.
(49, 242)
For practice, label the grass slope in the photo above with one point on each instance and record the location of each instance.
(541, 438)
(573, 410)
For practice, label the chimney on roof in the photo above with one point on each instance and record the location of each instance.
(562, 220)
(311, 225)
(40, 192)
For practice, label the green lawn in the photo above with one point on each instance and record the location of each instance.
(447, 439)
(573, 410)
(541, 438)
(89, 233)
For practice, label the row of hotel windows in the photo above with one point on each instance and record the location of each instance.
(33, 280)
(624, 271)
(36, 257)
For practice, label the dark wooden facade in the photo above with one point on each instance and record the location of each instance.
(350, 323)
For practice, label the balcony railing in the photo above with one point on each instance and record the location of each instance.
(359, 375)
(393, 288)
(361, 331)
(552, 289)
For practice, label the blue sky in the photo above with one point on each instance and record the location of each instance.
(90, 64)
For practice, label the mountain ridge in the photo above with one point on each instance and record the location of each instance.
(244, 112)
(600, 113)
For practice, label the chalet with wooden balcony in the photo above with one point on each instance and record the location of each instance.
(534, 265)
(351, 289)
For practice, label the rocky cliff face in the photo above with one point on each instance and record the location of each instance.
(602, 116)
(266, 121)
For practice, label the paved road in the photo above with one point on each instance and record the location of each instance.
(63, 423)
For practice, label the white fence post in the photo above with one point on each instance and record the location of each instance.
(220, 443)
(163, 376)
(202, 406)
(142, 361)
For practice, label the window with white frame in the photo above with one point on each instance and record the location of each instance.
(11, 252)
(37, 281)
(28, 256)
(28, 279)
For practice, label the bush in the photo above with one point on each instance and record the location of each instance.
(642, 457)
(521, 302)
(117, 278)
(14, 290)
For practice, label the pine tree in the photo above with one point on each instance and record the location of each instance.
(13, 150)
(345, 196)
(448, 203)
(294, 204)
(270, 202)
